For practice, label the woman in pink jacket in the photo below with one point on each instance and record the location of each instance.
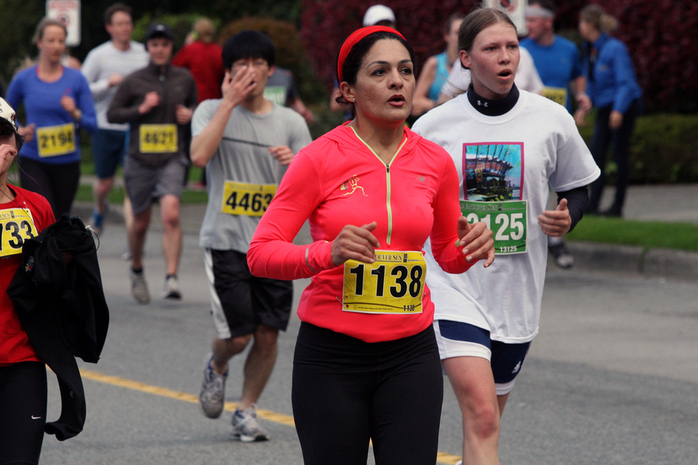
(366, 364)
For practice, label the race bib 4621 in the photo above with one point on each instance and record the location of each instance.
(158, 138)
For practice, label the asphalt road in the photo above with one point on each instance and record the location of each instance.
(611, 378)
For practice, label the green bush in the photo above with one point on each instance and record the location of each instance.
(663, 149)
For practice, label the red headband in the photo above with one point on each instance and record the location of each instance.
(353, 39)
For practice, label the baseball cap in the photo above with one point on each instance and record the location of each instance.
(378, 13)
(7, 119)
(159, 30)
(7, 115)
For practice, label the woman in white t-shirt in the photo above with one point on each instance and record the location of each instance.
(508, 145)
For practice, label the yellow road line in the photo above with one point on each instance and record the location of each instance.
(442, 457)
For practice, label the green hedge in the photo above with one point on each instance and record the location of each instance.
(664, 149)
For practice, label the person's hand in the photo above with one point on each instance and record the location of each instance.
(282, 153)
(115, 80)
(152, 99)
(476, 240)
(27, 131)
(584, 103)
(421, 106)
(308, 116)
(355, 243)
(183, 114)
(556, 222)
(615, 120)
(236, 88)
(68, 104)
(7, 151)
(579, 116)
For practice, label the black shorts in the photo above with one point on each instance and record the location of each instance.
(240, 302)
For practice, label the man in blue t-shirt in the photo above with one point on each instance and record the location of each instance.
(557, 59)
(559, 66)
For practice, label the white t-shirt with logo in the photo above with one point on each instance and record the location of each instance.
(508, 158)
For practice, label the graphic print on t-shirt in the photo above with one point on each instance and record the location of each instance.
(492, 187)
(493, 172)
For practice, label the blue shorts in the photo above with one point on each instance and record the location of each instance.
(108, 151)
(457, 339)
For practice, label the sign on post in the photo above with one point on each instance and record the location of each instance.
(67, 12)
(515, 9)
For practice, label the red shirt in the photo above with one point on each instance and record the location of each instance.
(337, 180)
(14, 342)
(205, 62)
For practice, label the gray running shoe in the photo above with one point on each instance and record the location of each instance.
(245, 426)
(171, 289)
(139, 288)
(562, 255)
(211, 396)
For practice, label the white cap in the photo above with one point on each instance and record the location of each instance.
(378, 13)
(7, 114)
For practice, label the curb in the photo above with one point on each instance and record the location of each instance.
(635, 259)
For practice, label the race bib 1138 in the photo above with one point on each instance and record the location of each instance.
(394, 283)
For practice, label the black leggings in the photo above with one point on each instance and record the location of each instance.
(23, 395)
(58, 183)
(603, 135)
(346, 391)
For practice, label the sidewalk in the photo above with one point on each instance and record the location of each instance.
(670, 203)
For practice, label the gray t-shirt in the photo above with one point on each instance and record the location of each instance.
(100, 64)
(242, 175)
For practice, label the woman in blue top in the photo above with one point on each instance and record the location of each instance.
(612, 87)
(436, 69)
(57, 102)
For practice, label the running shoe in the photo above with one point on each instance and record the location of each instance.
(98, 218)
(562, 256)
(171, 289)
(245, 426)
(139, 288)
(212, 394)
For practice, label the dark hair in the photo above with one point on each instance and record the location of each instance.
(19, 139)
(248, 44)
(545, 4)
(352, 63)
(451, 19)
(109, 12)
(476, 22)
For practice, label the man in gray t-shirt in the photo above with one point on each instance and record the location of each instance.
(245, 142)
(104, 68)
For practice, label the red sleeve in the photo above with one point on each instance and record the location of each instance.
(272, 253)
(181, 58)
(444, 233)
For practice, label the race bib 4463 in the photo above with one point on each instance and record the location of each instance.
(394, 283)
(241, 198)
